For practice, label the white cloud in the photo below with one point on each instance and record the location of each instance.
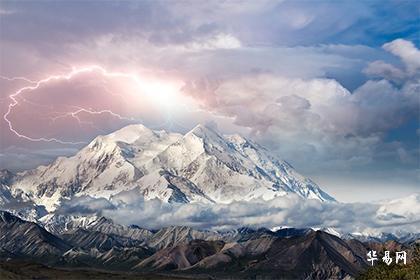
(312, 119)
(385, 70)
(407, 207)
(129, 208)
(407, 51)
(296, 19)
(409, 55)
(219, 41)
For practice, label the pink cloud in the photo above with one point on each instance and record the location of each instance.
(82, 105)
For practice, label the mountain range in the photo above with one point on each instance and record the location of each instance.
(181, 251)
(200, 167)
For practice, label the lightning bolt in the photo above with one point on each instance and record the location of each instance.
(36, 84)
(17, 79)
(79, 110)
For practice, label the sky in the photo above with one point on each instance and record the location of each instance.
(332, 87)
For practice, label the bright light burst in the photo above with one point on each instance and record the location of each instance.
(164, 93)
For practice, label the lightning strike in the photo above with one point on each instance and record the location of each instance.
(74, 114)
(79, 110)
(17, 79)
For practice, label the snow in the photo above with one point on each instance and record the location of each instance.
(201, 165)
(277, 228)
(331, 231)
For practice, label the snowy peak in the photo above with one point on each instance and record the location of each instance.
(131, 133)
(228, 168)
(199, 145)
(209, 137)
(202, 165)
(203, 131)
(212, 141)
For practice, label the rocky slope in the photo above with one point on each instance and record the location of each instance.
(28, 239)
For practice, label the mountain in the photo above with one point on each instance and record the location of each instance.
(5, 177)
(81, 227)
(316, 255)
(200, 166)
(95, 239)
(382, 237)
(183, 252)
(28, 239)
(60, 224)
(181, 256)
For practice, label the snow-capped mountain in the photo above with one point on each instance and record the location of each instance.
(201, 165)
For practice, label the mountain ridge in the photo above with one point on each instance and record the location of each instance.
(244, 253)
(201, 165)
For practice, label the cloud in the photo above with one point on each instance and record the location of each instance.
(85, 205)
(407, 51)
(409, 55)
(196, 69)
(91, 102)
(407, 207)
(219, 41)
(16, 158)
(318, 116)
(385, 70)
(135, 36)
(264, 22)
(315, 123)
(282, 211)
